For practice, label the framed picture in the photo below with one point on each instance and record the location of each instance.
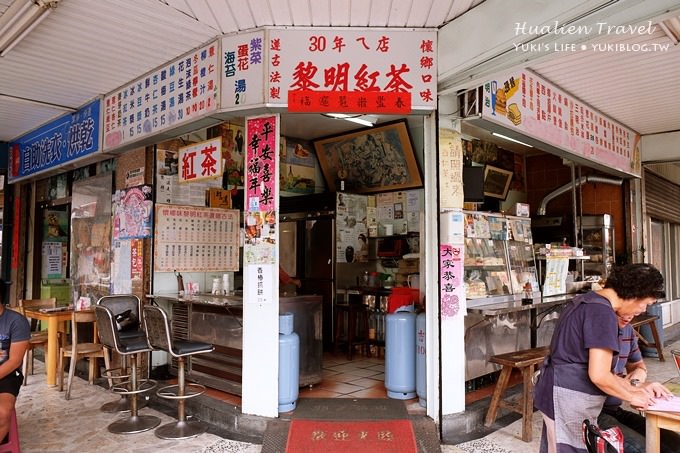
(377, 159)
(496, 182)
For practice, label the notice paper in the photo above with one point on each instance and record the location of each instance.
(666, 405)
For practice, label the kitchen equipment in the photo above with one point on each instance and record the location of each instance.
(413, 280)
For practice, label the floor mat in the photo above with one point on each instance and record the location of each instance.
(344, 436)
(350, 409)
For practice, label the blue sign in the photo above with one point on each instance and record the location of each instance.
(65, 139)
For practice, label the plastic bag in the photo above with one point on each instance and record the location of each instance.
(602, 440)
(126, 321)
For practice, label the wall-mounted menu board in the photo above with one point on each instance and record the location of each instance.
(196, 239)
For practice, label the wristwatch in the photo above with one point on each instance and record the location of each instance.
(635, 382)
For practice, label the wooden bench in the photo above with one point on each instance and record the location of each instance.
(525, 361)
(647, 319)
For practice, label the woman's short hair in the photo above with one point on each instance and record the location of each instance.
(636, 281)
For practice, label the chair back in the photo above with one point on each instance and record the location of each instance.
(108, 334)
(157, 328)
(36, 304)
(77, 333)
(119, 304)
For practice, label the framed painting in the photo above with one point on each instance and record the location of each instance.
(377, 159)
(496, 182)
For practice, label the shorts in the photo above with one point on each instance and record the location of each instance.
(12, 383)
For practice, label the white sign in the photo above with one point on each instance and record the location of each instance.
(243, 68)
(201, 160)
(175, 93)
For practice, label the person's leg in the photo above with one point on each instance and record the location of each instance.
(7, 401)
(633, 441)
(549, 434)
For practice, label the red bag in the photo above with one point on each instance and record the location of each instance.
(602, 440)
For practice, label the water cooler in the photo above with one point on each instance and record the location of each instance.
(421, 364)
(400, 355)
(289, 363)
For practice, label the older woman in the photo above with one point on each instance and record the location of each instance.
(577, 375)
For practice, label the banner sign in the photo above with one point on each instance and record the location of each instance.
(201, 160)
(525, 102)
(347, 70)
(65, 139)
(175, 93)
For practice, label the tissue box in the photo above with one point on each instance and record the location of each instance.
(218, 198)
(522, 209)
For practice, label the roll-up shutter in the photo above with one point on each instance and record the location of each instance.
(662, 198)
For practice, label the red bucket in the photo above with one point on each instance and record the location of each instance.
(401, 297)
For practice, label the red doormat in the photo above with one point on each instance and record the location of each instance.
(346, 436)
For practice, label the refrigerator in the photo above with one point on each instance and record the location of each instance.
(308, 253)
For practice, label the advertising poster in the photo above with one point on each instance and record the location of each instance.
(132, 213)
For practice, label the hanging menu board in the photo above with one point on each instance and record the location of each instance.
(195, 239)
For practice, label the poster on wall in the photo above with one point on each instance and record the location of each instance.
(168, 188)
(195, 239)
(126, 265)
(298, 166)
(232, 138)
(132, 213)
(53, 260)
(261, 189)
(56, 226)
(351, 239)
(451, 169)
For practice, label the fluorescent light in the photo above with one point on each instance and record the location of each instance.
(21, 18)
(505, 137)
(364, 120)
(361, 121)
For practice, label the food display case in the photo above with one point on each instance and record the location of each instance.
(499, 258)
(598, 243)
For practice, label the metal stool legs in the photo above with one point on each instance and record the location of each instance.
(182, 428)
(122, 404)
(135, 423)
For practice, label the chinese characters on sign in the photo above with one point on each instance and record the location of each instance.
(63, 140)
(177, 92)
(243, 66)
(190, 238)
(531, 105)
(451, 272)
(201, 161)
(451, 168)
(261, 189)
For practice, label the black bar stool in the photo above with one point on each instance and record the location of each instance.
(128, 307)
(158, 333)
(108, 334)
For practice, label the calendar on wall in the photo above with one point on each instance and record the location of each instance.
(196, 239)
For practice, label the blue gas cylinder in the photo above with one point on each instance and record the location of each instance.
(400, 355)
(421, 363)
(289, 364)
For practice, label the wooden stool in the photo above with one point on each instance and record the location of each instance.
(647, 319)
(357, 319)
(526, 362)
(12, 444)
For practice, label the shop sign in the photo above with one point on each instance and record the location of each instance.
(201, 161)
(527, 103)
(348, 70)
(63, 140)
(178, 92)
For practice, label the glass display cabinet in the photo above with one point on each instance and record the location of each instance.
(499, 257)
(598, 244)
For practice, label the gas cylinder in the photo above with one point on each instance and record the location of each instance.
(400, 355)
(289, 364)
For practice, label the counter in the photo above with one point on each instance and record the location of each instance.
(507, 326)
(219, 320)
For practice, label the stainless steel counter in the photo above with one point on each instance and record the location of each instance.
(513, 306)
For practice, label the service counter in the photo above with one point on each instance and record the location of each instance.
(499, 327)
(219, 320)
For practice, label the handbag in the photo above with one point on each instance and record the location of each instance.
(602, 440)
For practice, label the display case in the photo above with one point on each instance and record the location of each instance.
(499, 257)
(598, 243)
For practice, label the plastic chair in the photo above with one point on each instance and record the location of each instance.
(158, 332)
(38, 338)
(12, 444)
(109, 336)
(79, 349)
(120, 304)
(676, 356)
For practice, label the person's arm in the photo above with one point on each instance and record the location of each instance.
(599, 372)
(16, 355)
(636, 370)
(287, 279)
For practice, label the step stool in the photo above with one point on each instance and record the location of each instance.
(647, 319)
(12, 444)
(525, 361)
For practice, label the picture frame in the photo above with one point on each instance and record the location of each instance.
(496, 182)
(376, 159)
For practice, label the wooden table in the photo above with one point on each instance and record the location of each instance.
(56, 322)
(658, 420)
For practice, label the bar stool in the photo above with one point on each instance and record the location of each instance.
(158, 332)
(119, 304)
(650, 320)
(108, 334)
(357, 320)
(525, 361)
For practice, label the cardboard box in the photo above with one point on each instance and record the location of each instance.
(218, 198)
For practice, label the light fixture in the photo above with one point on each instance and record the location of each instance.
(505, 137)
(364, 120)
(20, 19)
